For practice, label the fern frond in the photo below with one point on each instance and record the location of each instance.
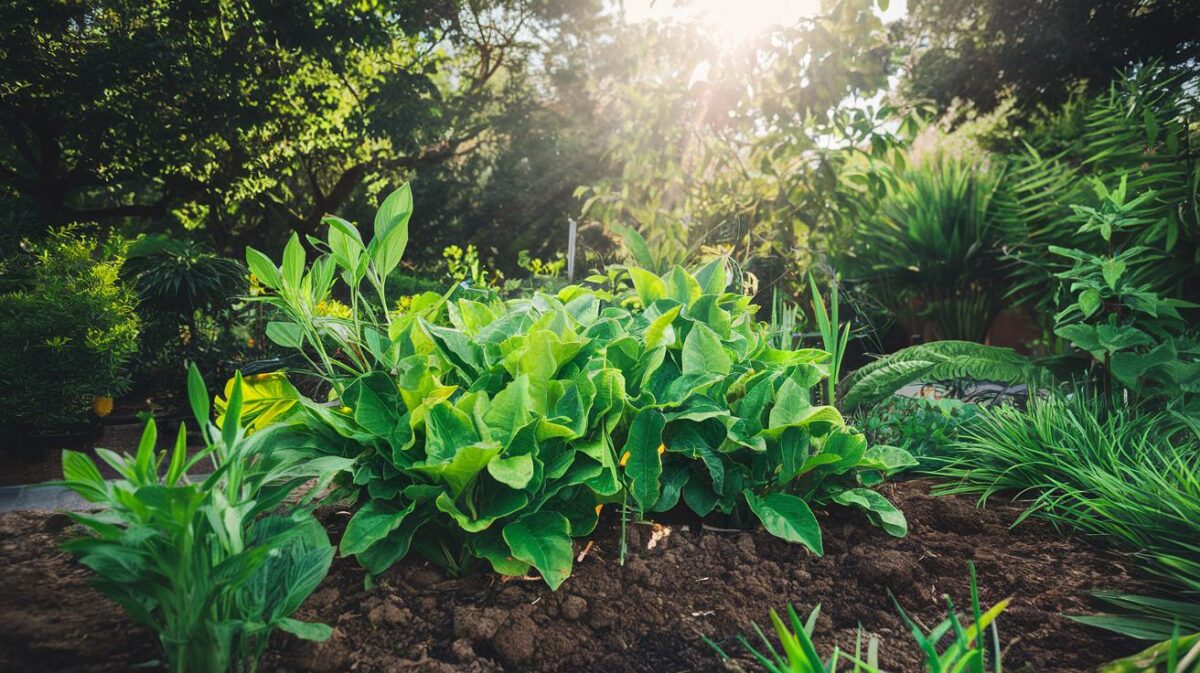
(939, 361)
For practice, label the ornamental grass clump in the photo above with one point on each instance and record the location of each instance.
(495, 431)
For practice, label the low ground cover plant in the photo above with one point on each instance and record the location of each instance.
(497, 430)
(214, 565)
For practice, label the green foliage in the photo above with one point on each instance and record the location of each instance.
(1177, 654)
(187, 301)
(249, 120)
(1111, 471)
(799, 652)
(1134, 132)
(491, 430)
(1145, 617)
(938, 361)
(744, 150)
(834, 335)
(924, 427)
(68, 328)
(205, 565)
(1037, 51)
(964, 652)
(1117, 315)
(935, 243)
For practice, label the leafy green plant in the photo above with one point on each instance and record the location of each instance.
(68, 330)
(491, 430)
(963, 653)
(1116, 315)
(922, 426)
(189, 308)
(206, 565)
(1136, 128)
(939, 361)
(336, 345)
(799, 652)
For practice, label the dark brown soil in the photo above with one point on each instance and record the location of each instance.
(647, 616)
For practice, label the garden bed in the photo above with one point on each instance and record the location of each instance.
(646, 616)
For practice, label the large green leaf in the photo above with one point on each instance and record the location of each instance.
(703, 353)
(370, 524)
(543, 541)
(391, 230)
(644, 466)
(882, 512)
(788, 517)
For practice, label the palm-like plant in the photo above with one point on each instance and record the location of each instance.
(936, 243)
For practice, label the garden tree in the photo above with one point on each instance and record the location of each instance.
(250, 116)
(747, 148)
(1036, 49)
(517, 193)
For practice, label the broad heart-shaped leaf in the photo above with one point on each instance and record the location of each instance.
(882, 512)
(380, 556)
(791, 403)
(391, 230)
(649, 287)
(375, 403)
(1112, 269)
(543, 540)
(500, 501)
(712, 276)
(458, 472)
(787, 516)
(1115, 337)
(888, 459)
(446, 430)
(660, 332)
(490, 545)
(370, 524)
(644, 466)
(1083, 336)
(703, 353)
(1128, 367)
(513, 471)
(509, 410)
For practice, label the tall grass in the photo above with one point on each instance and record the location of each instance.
(1099, 468)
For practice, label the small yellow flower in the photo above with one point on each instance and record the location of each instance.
(598, 508)
(332, 308)
(624, 459)
(346, 410)
(102, 405)
(250, 342)
(662, 448)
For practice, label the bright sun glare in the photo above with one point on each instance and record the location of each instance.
(734, 20)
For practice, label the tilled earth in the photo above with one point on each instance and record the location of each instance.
(647, 616)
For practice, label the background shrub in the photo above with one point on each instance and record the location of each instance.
(68, 328)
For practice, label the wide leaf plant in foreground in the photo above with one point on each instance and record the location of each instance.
(495, 430)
